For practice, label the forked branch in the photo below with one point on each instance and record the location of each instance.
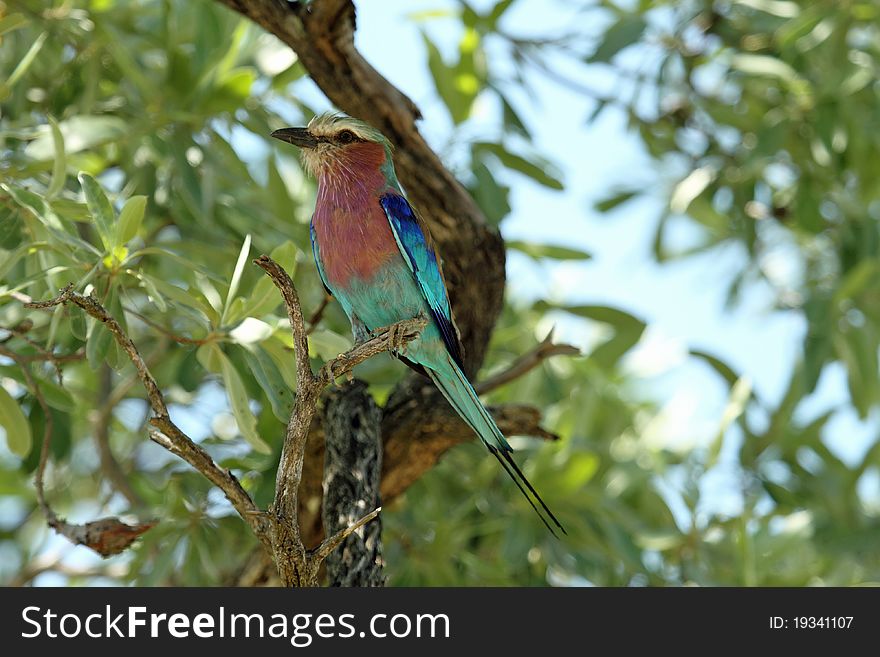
(297, 565)
(278, 530)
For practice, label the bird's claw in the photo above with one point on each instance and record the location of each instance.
(397, 343)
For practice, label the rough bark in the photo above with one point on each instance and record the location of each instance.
(352, 471)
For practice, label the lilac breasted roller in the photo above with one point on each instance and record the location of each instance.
(375, 256)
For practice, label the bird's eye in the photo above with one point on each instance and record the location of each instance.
(345, 137)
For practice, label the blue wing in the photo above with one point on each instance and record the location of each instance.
(418, 253)
(317, 255)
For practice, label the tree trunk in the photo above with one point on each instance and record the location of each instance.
(352, 469)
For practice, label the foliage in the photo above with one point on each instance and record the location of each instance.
(136, 164)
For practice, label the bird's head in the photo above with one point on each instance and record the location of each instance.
(336, 143)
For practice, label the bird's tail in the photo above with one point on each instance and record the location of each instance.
(463, 398)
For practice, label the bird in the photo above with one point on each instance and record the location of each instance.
(375, 256)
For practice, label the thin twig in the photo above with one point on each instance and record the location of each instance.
(106, 536)
(109, 396)
(527, 362)
(173, 438)
(43, 354)
(44, 357)
(48, 426)
(329, 544)
(318, 314)
(182, 339)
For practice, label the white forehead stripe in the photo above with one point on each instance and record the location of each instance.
(329, 124)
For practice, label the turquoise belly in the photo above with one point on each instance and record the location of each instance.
(390, 296)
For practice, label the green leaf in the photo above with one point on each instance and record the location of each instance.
(456, 101)
(209, 294)
(206, 354)
(540, 172)
(740, 394)
(628, 330)
(264, 298)
(617, 198)
(59, 234)
(130, 219)
(284, 358)
(56, 396)
(150, 288)
(80, 133)
(179, 295)
(491, 196)
(625, 32)
(269, 377)
(327, 344)
(857, 280)
(782, 8)
(191, 373)
(605, 314)
(277, 189)
(238, 400)
(236, 277)
(78, 324)
(99, 207)
(35, 204)
(690, 187)
(98, 344)
(100, 339)
(497, 12)
(23, 65)
(857, 348)
(539, 251)
(723, 369)
(59, 165)
(232, 91)
(250, 331)
(764, 65)
(12, 22)
(15, 424)
(10, 228)
(580, 467)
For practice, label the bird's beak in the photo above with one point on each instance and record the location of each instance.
(297, 136)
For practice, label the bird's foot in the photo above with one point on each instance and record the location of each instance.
(396, 343)
(332, 370)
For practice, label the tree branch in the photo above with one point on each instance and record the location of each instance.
(318, 314)
(297, 565)
(527, 362)
(106, 536)
(108, 398)
(168, 434)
